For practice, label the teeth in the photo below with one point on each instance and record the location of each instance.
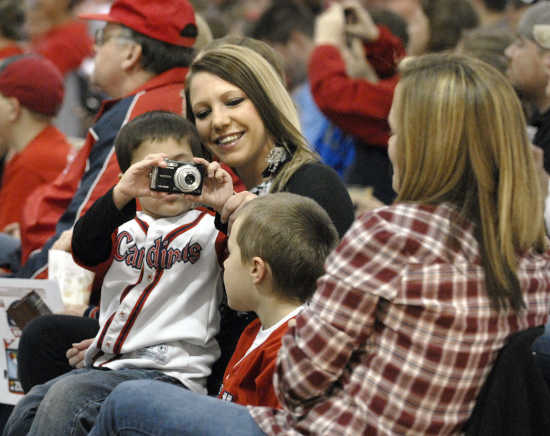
(229, 138)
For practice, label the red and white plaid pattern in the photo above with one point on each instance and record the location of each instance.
(400, 335)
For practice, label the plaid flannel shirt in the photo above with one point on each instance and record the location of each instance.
(400, 335)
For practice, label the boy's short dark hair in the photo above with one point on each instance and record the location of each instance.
(154, 126)
(293, 234)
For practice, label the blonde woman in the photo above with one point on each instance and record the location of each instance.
(419, 297)
(247, 120)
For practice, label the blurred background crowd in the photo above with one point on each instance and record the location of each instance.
(349, 138)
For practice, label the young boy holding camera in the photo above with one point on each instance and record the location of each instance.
(160, 294)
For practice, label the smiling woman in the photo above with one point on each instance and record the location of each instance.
(246, 119)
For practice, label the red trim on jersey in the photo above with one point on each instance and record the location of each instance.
(149, 289)
(104, 331)
(182, 229)
(135, 312)
(130, 287)
(144, 226)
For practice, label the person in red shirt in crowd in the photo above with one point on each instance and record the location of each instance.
(54, 31)
(56, 34)
(11, 22)
(358, 106)
(31, 93)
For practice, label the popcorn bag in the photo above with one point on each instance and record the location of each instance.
(74, 281)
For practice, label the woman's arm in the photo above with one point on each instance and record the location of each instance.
(340, 318)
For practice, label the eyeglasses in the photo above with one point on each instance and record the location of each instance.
(100, 38)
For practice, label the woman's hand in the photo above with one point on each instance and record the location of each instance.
(232, 206)
(135, 182)
(217, 186)
(76, 353)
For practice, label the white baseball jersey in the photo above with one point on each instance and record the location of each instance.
(160, 297)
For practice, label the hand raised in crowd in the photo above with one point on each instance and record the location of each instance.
(357, 65)
(76, 353)
(359, 23)
(330, 26)
(135, 181)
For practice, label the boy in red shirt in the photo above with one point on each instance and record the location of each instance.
(276, 251)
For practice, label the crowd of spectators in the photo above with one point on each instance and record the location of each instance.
(421, 128)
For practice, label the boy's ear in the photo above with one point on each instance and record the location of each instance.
(258, 270)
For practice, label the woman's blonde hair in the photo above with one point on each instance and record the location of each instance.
(251, 72)
(461, 137)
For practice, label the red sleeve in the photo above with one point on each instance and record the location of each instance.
(357, 106)
(385, 53)
(66, 46)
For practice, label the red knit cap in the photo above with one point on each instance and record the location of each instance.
(34, 81)
(159, 19)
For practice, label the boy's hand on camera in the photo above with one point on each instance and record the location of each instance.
(217, 185)
(362, 25)
(135, 182)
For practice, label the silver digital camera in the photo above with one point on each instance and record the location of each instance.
(178, 178)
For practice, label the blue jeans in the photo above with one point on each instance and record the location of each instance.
(148, 407)
(68, 405)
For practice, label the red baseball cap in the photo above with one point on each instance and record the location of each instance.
(159, 19)
(34, 81)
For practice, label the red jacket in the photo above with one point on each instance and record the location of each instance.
(250, 381)
(357, 106)
(38, 164)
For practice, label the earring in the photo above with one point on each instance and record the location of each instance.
(276, 158)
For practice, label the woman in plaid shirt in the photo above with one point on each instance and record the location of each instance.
(419, 297)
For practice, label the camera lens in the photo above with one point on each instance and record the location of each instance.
(187, 178)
